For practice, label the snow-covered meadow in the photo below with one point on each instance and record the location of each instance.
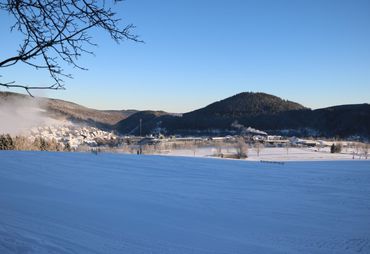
(114, 203)
(273, 154)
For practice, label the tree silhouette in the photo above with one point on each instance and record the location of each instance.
(56, 31)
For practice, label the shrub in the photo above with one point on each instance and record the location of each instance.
(241, 149)
(336, 148)
(6, 142)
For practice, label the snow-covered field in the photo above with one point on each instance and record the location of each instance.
(113, 203)
(272, 154)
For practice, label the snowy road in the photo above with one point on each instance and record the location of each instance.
(111, 203)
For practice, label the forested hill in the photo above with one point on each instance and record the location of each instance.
(258, 110)
(246, 104)
(148, 120)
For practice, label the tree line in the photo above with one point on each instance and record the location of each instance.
(25, 144)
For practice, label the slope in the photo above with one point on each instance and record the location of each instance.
(246, 104)
(111, 203)
(59, 109)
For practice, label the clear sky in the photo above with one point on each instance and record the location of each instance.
(315, 52)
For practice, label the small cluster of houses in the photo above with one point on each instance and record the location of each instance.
(72, 135)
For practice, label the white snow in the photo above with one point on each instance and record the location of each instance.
(114, 203)
(272, 153)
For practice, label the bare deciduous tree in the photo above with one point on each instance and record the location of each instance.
(194, 147)
(287, 146)
(56, 32)
(357, 149)
(217, 150)
(365, 150)
(241, 149)
(258, 147)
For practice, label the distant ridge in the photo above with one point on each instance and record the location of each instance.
(264, 112)
(258, 110)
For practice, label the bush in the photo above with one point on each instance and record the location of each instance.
(336, 148)
(24, 144)
(6, 142)
(241, 149)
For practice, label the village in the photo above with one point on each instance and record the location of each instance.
(250, 143)
(73, 136)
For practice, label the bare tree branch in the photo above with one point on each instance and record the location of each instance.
(56, 31)
(28, 88)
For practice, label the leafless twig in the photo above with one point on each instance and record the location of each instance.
(56, 31)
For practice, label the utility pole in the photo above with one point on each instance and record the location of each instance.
(140, 126)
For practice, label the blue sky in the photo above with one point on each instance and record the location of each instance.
(315, 52)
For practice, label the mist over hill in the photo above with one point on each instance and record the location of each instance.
(63, 110)
(258, 110)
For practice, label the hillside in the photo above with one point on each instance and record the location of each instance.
(258, 110)
(250, 109)
(218, 115)
(78, 113)
(150, 120)
(245, 105)
(60, 109)
(343, 121)
(261, 111)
